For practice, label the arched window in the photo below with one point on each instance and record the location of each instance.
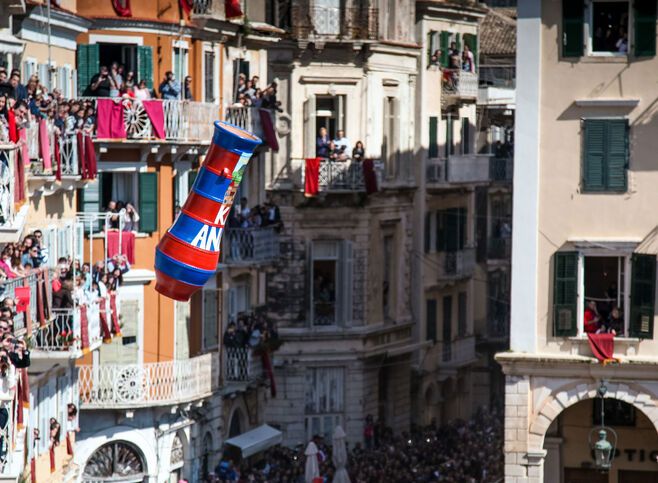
(235, 426)
(205, 455)
(118, 461)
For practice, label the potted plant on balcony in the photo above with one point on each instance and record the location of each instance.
(65, 338)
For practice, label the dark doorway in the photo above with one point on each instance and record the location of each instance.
(584, 475)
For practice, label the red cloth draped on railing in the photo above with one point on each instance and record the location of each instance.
(105, 328)
(52, 458)
(84, 329)
(22, 162)
(109, 120)
(33, 470)
(43, 313)
(603, 347)
(268, 129)
(232, 9)
(25, 393)
(44, 146)
(186, 5)
(312, 177)
(127, 244)
(155, 112)
(22, 295)
(122, 8)
(13, 129)
(58, 159)
(17, 404)
(69, 445)
(267, 365)
(115, 315)
(86, 156)
(369, 176)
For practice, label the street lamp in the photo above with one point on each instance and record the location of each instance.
(603, 449)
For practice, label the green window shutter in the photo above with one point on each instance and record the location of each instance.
(645, 28)
(616, 154)
(466, 136)
(428, 227)
(191, 178)
(453, 230)
(445, 44)
(148, 202)
(145, 65)
(458, 41)
(430, 319)
(90, 199)
(594, 155)
(643, 290)
(472, 42)
(87, 66)
(441, 231)
(573, 18)
(565, 294)
(433, 150)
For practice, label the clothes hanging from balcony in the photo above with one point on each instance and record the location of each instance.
(105, 328)
(52, 457)
(155, 112)
(44, 147)
(127, 244)
(267, 365)
(110, 122)
(84, 329)
(22, 296)
(122, 8)
(312, 177)
(69, 445)
(268, 129)
(603, 347)
(86, 156)
(369, 176)
(43, 314)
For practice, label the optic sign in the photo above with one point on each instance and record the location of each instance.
(187, 255)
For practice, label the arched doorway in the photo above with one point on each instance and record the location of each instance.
(569, 458)
(206, 451)
(235, 427)
(176, 459)
(118, 461)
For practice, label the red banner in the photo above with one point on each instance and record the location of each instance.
(312, 177)
(22, 295)
(84, 329)
(122, 8)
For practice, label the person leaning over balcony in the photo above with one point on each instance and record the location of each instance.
(20, 92)
(169, 88)
(100, 85)
(5, 263)
(130, 218)
(187, 90)
(116, 80)
(343, 146)
(468, 61)
(19, 355)
(359, 152)
(142, 92)
(4, 121)
(63, 298)
(130, 82)
(322, 144)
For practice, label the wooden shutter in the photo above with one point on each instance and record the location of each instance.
(481, 213)
(145, 65)
(565, 294)
(430, 319)
(445, 44)
(90, 199)
(573, 17)
(433, 150)
(458, 41)
(616, 154)
(148, 202)
(88, 65)
(453, 230)
(462, 220)
(346, 276)
(466, 136)
(594, 154)
(643, 290)
(441, 230)
(210, 317)
(645, 28)
(472, 42)
(310, 133)
(428, 235)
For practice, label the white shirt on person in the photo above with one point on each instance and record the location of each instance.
(340, 142)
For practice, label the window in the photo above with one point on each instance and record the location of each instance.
(388, 292)
(430, 319)
(239, 299)
(610, 26)
(591, 290)
(324, 400)
(180, 66)
(391, 136)
(326, 17)
(331, 275)
(449, 146)
(447, 327)
(466, 136)
(451, 229)
(498, 305)
(433, 149)
(210, 314)
(323, 111)
(462, 314)
(605, 155)
(209, 84)
(139, 189)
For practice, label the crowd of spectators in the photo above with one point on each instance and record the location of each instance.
(458, 452)
(121, 216)
(252, 330)
(452, 63)
(249, 94)
(338, 149)
(258, 216)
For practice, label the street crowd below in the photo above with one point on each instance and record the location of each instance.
(458, 452)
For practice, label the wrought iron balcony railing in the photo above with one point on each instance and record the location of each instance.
(311, 22)
(124, 386)
(456, 265)
(244, 246)
(241, 364)
(460, 84)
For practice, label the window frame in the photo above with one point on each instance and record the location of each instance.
(584, 154)
(589, 30)
(214, 50)
(183, 47)
(336, 259)
(338, 413)
(210, 286)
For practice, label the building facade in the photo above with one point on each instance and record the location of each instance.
(584, 257)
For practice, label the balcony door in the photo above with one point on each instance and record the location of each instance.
(326, 17)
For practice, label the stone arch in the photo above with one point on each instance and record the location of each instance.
(236, 423)
(556, 401)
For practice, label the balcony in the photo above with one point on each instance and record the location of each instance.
(126, 386)
(11, 218)
(499, 248)
(205, 10)
(501, 169)
(249, 119)
(462, 86)
(336, 176)
(249, 246)
(458, 169)
(240, 364)
(457, 353)
(328, 23)
(497, 85)
(456, 265)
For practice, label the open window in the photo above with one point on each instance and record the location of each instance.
(597, 290)
(609, 22)
(331, 283)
